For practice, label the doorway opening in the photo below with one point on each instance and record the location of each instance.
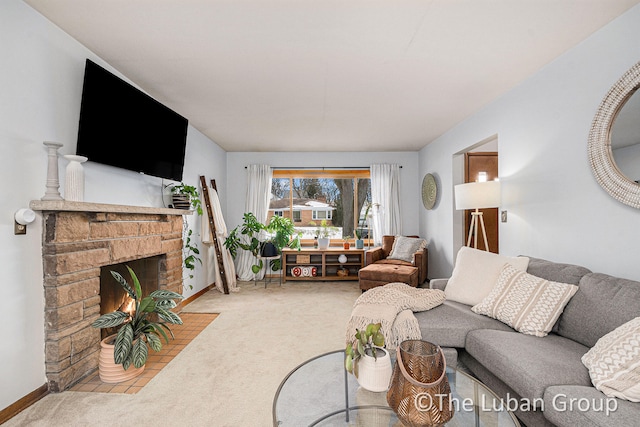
(467, 165)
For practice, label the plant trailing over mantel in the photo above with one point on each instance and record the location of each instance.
(138, 330)
(185, 197)
(190, 195)
(190, 253)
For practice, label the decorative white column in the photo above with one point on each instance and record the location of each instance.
(74, 178)
(53, 182)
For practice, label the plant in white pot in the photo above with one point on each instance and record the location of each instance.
(138, 330)
(366, 358)
(323, 232)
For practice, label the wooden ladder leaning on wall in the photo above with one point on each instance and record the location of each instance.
(212, 230)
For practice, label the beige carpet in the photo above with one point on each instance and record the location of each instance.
(230, 372)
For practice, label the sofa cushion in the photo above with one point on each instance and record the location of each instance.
(529, 364)
(601, 304)
(556, 272)
(590, 408)
(448, 324)
(614, 362)
(475, 274)
(404, 248)
(527, 303)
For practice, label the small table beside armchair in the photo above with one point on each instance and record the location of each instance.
(381, 270)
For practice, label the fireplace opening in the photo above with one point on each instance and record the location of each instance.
(112, 295)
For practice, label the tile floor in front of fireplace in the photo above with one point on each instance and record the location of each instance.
(193, 324)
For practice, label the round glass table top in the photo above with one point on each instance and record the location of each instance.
(320, 392)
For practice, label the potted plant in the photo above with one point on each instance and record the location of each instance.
(345, 240)
(138, 330)
(360, 231)
(186, 197)
(246, 236)
(323, 232)
(284, 236)
(366, 358)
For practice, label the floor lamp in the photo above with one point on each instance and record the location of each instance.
(477, 195)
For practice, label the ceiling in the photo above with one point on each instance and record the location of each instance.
(328, 75)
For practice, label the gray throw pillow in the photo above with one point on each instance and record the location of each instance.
(404, 248)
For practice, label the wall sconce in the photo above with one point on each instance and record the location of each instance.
(23, 217)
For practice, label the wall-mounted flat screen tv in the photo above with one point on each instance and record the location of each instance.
(122, 126)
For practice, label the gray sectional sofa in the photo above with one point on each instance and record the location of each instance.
(546, 372)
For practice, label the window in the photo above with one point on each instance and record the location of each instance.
(278, 213)
(324, 214)
(339, 197)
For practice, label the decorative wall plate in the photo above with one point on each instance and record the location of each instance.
(429, 191)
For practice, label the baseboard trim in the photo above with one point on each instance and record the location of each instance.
(194, 297)
(20, 405)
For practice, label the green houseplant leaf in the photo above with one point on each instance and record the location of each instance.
(111, 320)
(365, 341)
(139, 331)
(123, 344)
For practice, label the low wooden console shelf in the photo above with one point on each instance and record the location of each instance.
(325, 261)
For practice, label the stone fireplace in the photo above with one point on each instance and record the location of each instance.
(79, 240)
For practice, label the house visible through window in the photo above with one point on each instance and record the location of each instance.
(309, 197)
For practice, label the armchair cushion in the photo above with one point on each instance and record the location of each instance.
(404, 248)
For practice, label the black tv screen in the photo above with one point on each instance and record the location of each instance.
(124, 127)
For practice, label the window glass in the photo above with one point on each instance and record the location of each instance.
(310, 197)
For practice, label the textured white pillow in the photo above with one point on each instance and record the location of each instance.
(527, 303)
(405, 248)
(475, 274)
(614, 362)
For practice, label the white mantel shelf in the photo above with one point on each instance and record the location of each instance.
(64, 205)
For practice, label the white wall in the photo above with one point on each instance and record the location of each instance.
(410, 187)
(41, 86)
(556, 210)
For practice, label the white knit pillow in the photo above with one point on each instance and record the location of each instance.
(527, 303)
(614, 362)
(475, 274)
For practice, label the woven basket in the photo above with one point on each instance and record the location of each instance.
(419, 393)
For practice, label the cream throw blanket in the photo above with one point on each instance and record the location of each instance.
(393, 305)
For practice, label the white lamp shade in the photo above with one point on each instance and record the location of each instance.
(477, 195)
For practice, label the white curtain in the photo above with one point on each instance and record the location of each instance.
(257, 201)
(212, 268)
(385, 198)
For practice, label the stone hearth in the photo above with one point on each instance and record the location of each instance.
(78, 239)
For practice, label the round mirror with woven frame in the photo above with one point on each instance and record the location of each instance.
(607, 173)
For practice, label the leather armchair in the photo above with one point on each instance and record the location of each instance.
(379, 256)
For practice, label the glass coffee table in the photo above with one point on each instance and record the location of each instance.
(320, 392)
